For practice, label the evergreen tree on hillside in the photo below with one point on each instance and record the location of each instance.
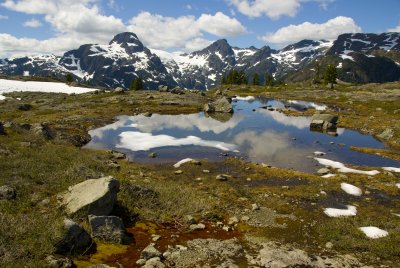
(269, 80)
(317, 76)
(137, 84)
(330, 75)
(256, 79)
(69, 78)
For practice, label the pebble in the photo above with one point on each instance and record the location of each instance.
(222, 177)
(255, 207)
(206, 171)
(178, 172)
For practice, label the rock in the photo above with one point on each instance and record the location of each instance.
(323, 171)
(222, 105)
(76, 240)
(162, 88)
(119, 90)
(24, 107)
(178, 172)
(150, 252)
(108, 229)
(177, 90)
(155, 238)
(100, 266)
(195, 227)
(152, 155)
(387, 134)
(117, 155)
(150, 97)
(329, 245)
(190, 219)
(206, 171)
(255, 207)
(245, 218)
(59, 262)
(323, 122)
(141, 262)
(154, 263)
(7, 192)
(113, 164)
(95, 196)
(42, 130)
(147, 114)
(222, 177)
(233, 221)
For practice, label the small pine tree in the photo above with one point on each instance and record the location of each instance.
(256, 79)
(317, 75)
(137, 84)
(269, 80)
(223, 81)
(330, 75)
(242, 79)
(69, 78)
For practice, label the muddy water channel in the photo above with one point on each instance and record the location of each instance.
(255, 132)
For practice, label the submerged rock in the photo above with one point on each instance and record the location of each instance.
(95, 196)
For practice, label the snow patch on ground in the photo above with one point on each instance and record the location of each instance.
(373, 232)
(183, 161)
(247, 98)
(7, 86)
(139, 141)
(392, 169)
(351, 189)
(342, 168)
(336, 212)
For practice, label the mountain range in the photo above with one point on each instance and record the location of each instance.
(359, 58)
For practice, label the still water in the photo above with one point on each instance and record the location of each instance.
(254, 132)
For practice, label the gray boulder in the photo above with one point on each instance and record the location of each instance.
(108, 229)
(162, 88)
(323, 122)
(7, 192)
(95, 196)
(387, 134)
(222, 105)
(75, 241)
(150, 252)
(43, 130)
(59, 262)
(119, 90)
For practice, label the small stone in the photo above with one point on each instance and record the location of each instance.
(150, 252)
(195, 227)
(248, 179)
(181, 248)
(7, 192)
(233, 220)
(178, 172)
(222, 177)
(117, 155)
(323, 171)
(220, 224)
(226, 228)
(59, 262)
(190, 219)
(155, 238)
(147, 114)
(199, 179)
(245, 218)
(329, 245)
(141, 262)
(255, 207)
(206, 171)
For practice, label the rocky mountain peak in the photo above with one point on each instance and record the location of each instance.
(129, 41)
(220, 46)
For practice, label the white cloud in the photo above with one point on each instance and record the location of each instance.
(3, 17)
(182, 32)
(77, 22)
(396, 29)
(220, 25)
(274, 9)
(32, 23)
(307, 30)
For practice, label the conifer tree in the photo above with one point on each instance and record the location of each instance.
(330, 75)
(256, 79)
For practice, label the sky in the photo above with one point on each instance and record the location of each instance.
(31, 27)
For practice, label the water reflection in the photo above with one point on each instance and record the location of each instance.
(257, 134)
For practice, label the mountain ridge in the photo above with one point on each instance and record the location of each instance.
(360, 58)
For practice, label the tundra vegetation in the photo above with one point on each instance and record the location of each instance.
(270, 204)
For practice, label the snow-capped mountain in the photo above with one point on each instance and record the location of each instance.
(358, 57)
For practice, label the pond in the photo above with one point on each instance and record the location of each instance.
(255, 132)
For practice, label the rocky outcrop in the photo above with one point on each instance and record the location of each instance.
(75, 241)
(108, 229)
(42, 130)
(222, 105)
(323, 122)
(95, 197)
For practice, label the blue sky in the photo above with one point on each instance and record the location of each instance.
(54, 26)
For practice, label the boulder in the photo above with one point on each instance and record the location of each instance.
(42, 130)
(108, 229)
(75, 241)
(95, 196)
(222, 105)
(24, 107)
(178, 90)
(7, 192)
(119, 90)
(162, 88)
(59, 262)
(323, 122)
(387, 134)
